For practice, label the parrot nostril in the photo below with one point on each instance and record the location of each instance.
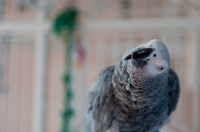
(154, 55)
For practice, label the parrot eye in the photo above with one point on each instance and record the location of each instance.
(161, 68)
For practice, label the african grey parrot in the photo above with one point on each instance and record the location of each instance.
(136, 95)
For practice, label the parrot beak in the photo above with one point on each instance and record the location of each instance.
(140, 57)
(142, 54)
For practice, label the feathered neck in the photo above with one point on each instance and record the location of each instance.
(135, 90)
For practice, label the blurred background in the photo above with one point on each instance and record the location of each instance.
(32, 58)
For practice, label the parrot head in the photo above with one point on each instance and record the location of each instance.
(142, 74)
(152, 56)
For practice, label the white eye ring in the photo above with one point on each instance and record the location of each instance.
(161, 68)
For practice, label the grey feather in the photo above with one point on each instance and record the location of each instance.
(134, 98)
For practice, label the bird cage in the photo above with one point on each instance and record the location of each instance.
(32, 60)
